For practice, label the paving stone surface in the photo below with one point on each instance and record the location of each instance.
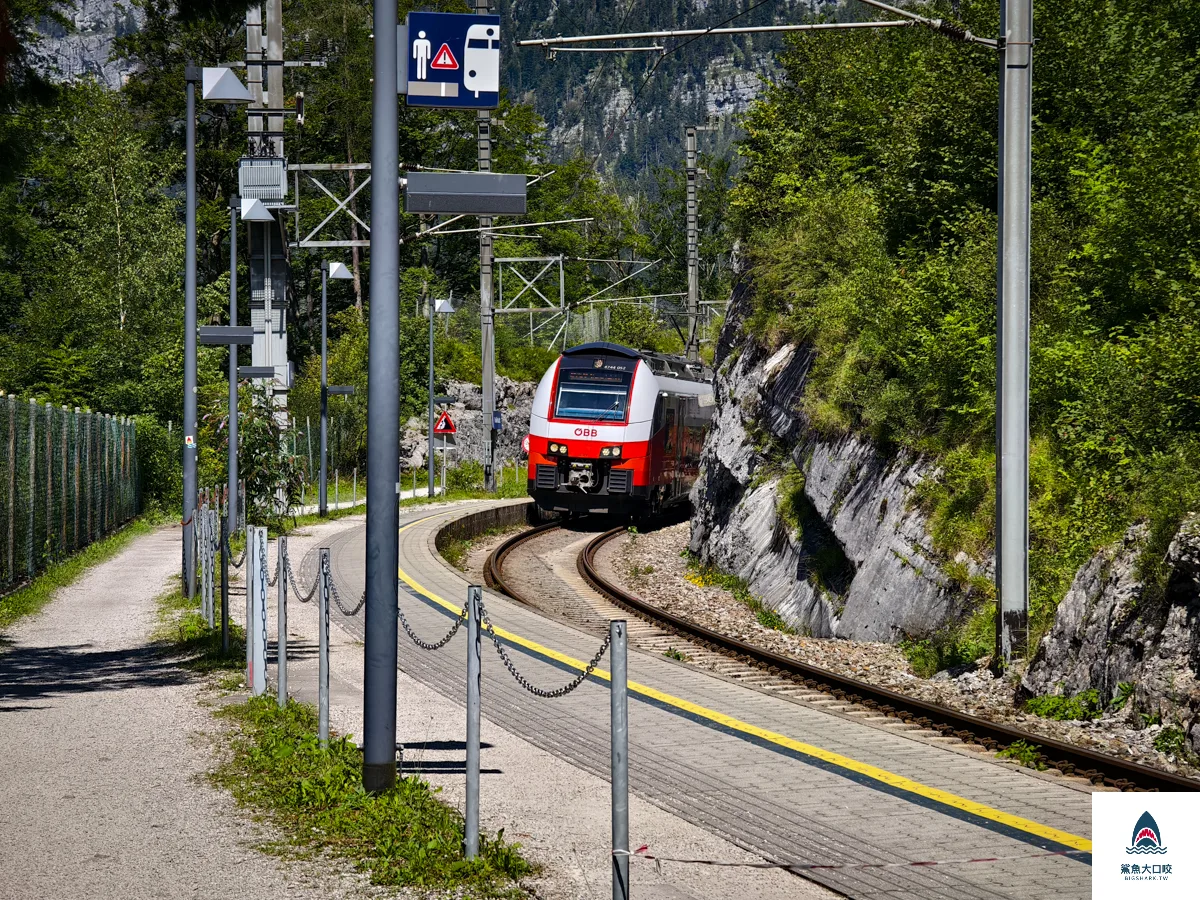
(776, 803)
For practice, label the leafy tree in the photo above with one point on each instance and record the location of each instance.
(867, 203)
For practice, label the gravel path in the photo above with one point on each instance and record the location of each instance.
(101, 792)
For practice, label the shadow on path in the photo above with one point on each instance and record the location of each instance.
(32, 673)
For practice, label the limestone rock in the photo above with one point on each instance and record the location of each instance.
(1111, 628)
(862, 565)
(514, 399)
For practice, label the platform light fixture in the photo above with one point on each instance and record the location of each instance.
(255, 211)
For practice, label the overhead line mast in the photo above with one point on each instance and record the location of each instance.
(1015, 44)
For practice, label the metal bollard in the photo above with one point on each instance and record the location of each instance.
(281, 620)
(323, 663)
(619, 706)
(471, 823)
(249, 571)
(257, 634)
(225, 582)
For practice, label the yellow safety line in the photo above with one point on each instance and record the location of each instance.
(874, 772)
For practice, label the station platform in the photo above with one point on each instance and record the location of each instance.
(867, 811)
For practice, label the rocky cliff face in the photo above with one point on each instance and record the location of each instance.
(1111, 628)
(84, 51)
(513, 398)
(852, 557)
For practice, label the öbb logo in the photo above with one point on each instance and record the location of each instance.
(586, 432)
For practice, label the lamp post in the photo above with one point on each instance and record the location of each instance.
(339, 271)
(219, 85)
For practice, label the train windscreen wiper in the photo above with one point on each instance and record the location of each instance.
(604, 415)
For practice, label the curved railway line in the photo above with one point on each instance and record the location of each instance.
(763, 669)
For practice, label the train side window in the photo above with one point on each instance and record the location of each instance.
(658, 415)
(670, 423)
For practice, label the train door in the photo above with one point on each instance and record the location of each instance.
(670, 463)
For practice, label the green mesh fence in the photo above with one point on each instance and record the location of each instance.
(67, 478)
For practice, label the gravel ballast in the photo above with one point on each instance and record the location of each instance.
(653, 566)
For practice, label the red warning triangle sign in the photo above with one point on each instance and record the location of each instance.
(444, 425)
(444, 59)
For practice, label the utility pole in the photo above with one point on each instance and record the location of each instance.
(429, 308)
(192, 75)
(483, 127)
(383, 416)
(692, 212)
(322, 485)
(1012, 325)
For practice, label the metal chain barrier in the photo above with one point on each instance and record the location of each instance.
(278, 565)
(262, 574)
(291, 577)
(523, 681)
(337, 598)
(234, 563)
(436, 645)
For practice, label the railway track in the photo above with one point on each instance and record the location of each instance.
(661, 632)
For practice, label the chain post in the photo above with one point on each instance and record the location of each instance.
(257, 632)
(281, 620)
(251, 567)
(324, 579)
(225, 582)
(619, 712)
(31, 535)
(471, 824)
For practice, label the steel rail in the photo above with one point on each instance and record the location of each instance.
(493, 567)
(1071, 760)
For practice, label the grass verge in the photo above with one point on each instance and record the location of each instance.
(33, 596)
(405, 836)
(184, 631)
(274, 766)
(703, 575)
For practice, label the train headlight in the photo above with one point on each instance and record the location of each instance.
(556, 448)
(610, 451)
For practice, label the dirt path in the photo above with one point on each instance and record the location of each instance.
(101, 788)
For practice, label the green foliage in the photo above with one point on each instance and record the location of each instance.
(466, 476)
(186, 634)
(404, 836)
(1029, 755)
(677, 655)
(272, 475)
(1173, 741)
(1125, 691)
(956, 645)
(1084, 705)
(790, 506)
(704, 575)
(159, 465)
(867, 204)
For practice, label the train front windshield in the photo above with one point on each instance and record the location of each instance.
(594, 396)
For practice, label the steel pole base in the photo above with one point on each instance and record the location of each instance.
(379, 777)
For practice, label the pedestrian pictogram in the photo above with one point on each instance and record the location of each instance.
(444, 425)
(444, 59)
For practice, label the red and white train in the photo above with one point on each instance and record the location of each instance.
(617, 431)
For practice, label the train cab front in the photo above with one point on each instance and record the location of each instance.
(586, 452)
